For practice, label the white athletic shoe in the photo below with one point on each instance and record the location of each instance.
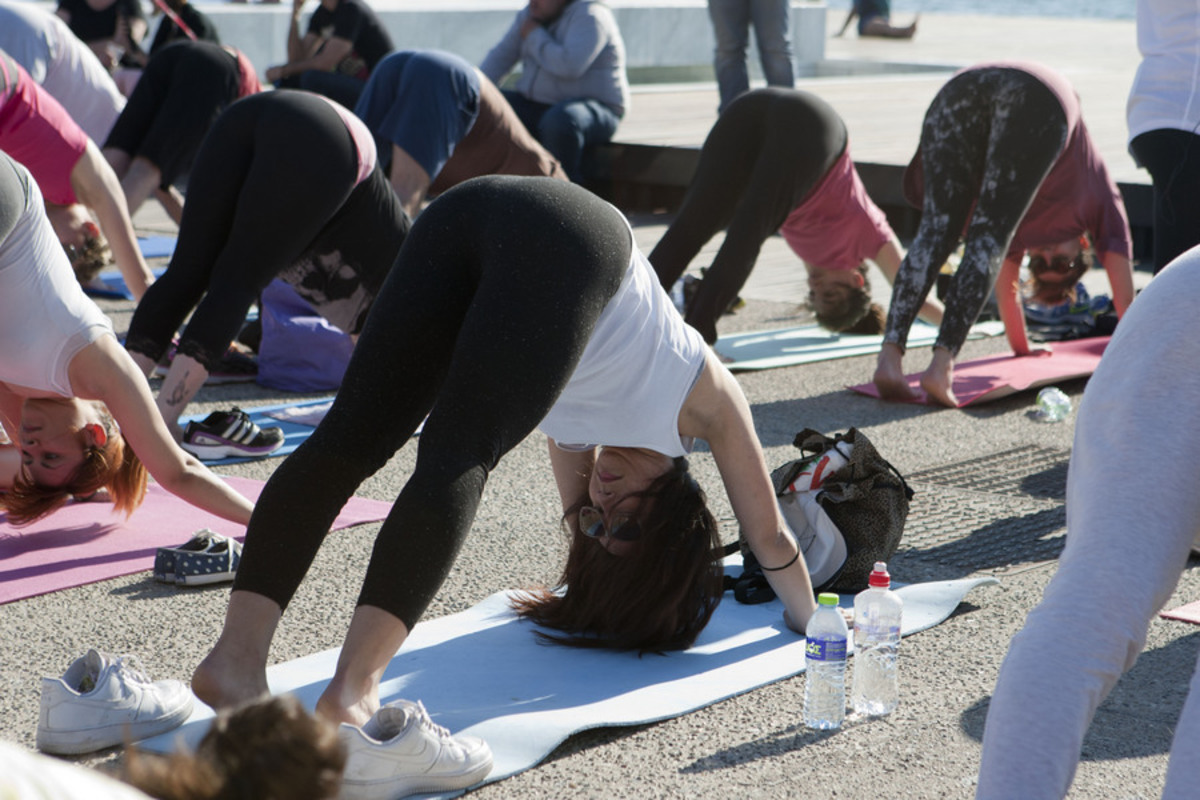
(401, 751)
(102, 700)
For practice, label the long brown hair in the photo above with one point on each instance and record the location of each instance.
(114, 467)
(267, 750)
(659, 597)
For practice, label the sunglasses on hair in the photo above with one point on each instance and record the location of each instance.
(624, 527)
(1060, 265)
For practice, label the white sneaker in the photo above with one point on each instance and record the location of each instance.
(102, 700)
(401, 751)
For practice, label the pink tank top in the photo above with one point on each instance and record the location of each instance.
(38, 132)
(363, 141)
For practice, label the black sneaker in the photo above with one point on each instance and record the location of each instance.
(230, 433)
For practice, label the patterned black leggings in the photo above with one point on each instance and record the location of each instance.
(480, 324)
(989, 138)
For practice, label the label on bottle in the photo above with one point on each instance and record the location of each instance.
(825, 650)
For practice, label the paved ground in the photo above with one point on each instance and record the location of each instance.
(1000, 514)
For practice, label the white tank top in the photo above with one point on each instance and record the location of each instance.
(635, 374)
(45, 318)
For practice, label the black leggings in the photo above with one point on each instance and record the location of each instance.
(989, 138)
(1173, 159)
(273, 170)
(480, 324)
(183, 89)
(763, 156)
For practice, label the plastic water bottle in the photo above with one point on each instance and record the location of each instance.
(876, 646)
(1053, 405)
(825, 653)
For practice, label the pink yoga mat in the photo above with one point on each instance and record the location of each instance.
(1189, 612)
(982, 380)
(87, 542)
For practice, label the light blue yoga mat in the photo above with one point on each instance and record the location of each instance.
(788, 347)
(483, 672)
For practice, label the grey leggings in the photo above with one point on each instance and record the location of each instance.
(989, 138)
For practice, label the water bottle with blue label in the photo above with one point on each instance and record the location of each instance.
(825, 673)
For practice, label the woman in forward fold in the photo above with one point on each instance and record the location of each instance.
(71, 400)
(516, 303)
(182, 91)
(1011, 171)
(74, 179)
(779, 160)
(286, 185)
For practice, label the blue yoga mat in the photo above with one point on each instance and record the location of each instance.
(484, 672)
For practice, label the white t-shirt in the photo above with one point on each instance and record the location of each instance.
(1166, 89)
(45, 318)
(64, 66)
(635, 373)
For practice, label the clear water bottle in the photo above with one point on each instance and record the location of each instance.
(825, 653)
(1053, 405)
(876, 646)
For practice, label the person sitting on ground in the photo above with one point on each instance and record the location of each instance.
(439, 122)
(181, 92)
(64, 66)
(516, 303)
(779, 160)
(1011, 171)
(261, 206)
(268, 750)
(80, 416)
(73, 177)
(573, 90)
(109, 27)
(1133, 517)
(875, 19)
(344, 41)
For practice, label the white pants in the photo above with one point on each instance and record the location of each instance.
(1133, 512)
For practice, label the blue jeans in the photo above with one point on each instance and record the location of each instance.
(567, 127)
(731, 21)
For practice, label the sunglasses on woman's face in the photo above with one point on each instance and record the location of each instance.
(624, 527)
(1060, 265)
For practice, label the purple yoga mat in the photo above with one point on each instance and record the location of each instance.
(88, 542)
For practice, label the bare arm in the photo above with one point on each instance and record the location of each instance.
(97, 187)
(1120, 278)
(717, 411)
(104, 371)
(300, 46)
(888, 259)
(1012, 311)
(409, 181)
(10, 419)
(572, 471)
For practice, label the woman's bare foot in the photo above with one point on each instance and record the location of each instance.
(938, 379)
(222, 682)
(889, 375)
(340, 704)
